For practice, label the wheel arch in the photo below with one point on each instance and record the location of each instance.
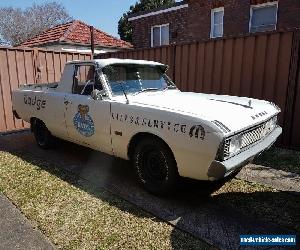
(33, 121)
(140, 136)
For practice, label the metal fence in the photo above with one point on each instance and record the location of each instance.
(20, 66)
(262, 66)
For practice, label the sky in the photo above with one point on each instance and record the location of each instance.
(102, 14)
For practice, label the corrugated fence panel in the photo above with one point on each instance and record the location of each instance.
(63, 60)
(227, 66)
(254, 66)
(282, 83)
(217, 70)
(6, 90)
(42, 67)
(200, 67)
(192, 67)
(258, 66)
(177, 66)
(24, 66)
(294, 95)
(237, 58)
(50, 67)
(21, 73)
(208, 66)
(295, 138)
(184, 69)
(13, 78)
(2, 107)
(29, 66)
(57, 67)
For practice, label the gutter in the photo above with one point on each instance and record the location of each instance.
(78, 44)
(153, 13)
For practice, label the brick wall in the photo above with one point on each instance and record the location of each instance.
(236, 18)
(142, 27)
(198, 19)
(194, 23)
(288, 14)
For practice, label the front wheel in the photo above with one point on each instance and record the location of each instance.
(155, 166)
(42, 135)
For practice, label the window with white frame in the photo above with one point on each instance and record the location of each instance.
(217, 17)
(263, 17)
(160, 35)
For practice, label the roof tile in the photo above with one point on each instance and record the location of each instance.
(75, 32)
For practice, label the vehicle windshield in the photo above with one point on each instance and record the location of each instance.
(134, 78)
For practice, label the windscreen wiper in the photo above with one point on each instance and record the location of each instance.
(146, 90)
(170, 87)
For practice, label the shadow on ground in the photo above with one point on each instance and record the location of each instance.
(281, 159)
(219, 219)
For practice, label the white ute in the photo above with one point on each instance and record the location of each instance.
(132, 110)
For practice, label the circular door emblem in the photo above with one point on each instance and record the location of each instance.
(83, 122)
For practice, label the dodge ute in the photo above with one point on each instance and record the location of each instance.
(131, 109)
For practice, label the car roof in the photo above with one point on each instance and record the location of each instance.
(105, 62)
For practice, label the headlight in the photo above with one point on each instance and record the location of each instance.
(235, 144)
(274, 122)
(270, 126)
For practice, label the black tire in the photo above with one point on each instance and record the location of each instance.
(42, 135)
(155, 166)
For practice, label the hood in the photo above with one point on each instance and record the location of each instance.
(235, 113)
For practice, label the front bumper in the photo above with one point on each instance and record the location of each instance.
(218, 169)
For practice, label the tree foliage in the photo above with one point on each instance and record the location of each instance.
(17, 25)
(124, 26)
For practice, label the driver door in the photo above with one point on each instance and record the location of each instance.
(88, 120)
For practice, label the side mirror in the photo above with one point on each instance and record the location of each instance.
(96, 94)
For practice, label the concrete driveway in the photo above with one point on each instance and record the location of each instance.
(205, 218)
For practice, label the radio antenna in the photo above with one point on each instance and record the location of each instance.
(121, 84)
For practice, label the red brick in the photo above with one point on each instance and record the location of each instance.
(194, 23)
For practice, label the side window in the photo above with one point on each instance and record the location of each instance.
(85, 80)
(263, 17)
(217, 18)
(160, 35)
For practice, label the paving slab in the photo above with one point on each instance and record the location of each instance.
(16, 232)
(205, 218)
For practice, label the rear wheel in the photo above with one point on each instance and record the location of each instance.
(155, 166)
(42, 135)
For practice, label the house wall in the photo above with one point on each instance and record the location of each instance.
(142, 27)
(236, 17)
(194, 22)
(289, 14)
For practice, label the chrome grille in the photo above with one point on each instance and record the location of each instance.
(252, 136)
(226, 148)
(248, 138)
